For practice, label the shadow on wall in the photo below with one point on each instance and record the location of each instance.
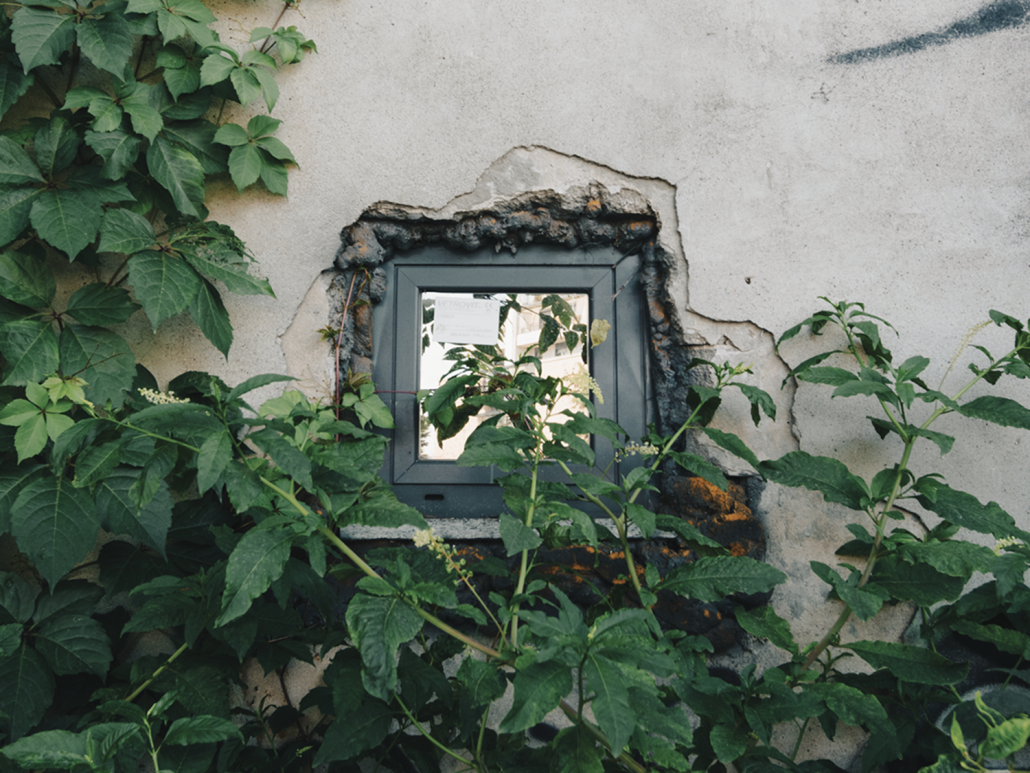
(991, 18)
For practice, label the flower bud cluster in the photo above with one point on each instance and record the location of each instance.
(583, 383)
(425, 538)
(634, 449)
(161, 398)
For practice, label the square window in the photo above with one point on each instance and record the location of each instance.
(599, 281)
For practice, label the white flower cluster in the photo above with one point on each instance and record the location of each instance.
(583, 383)
(160, 398)
(424, 538)
(633, 449)
(1006, 542)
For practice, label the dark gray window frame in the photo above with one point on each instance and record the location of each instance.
(611, 279)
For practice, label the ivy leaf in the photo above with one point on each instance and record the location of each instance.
(15, 206)
(230, 267)
(107, 41)
(911, 664)
(516, 535)
(26, 279)
(12, 480)
(198, 137)
(100, 357)
(247, 86)
(828, 476)
(55, 525)
(31, 437)
(210, 314)
(275, 177)
(126, 232)
(30, 348)
(256, 562)
(179, 172)
(215, 69)
(56, 144)
(163, 284)
(74, 644)
(15, 165)
(998, 410)
(40, 37)
(13, 85)
(379, 625)
(539, 688)
(117, 148)
(69, 220)
(26, 690)
(98, 304)
(245, 163)
(119, 513)
(134, 97)
(715, 578)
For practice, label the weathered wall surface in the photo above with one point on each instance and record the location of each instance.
(792, 148)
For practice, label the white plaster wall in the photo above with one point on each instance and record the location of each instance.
(899, 181)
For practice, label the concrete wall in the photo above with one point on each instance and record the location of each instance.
(860, 149)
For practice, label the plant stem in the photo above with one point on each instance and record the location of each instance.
(428, 737)
(623, 758)
(524, 563)
(171, 659)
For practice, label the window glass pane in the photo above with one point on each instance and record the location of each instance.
(521, 319)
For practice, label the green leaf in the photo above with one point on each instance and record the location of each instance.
(642, 517)
(12, 480)
(74, 644)
(256, 562)
(998, 410)
(13, 85)
(15, 208)
(125, 231)
(485, 682)
(865, 602)
(728, 742)
(100, 357)
(30, 348)
(210, 314)
(68, 219)
(106, 41)
(100, 305)
(119, 512)
(956, 558)
(356, 732)
(1005, 639)
(256, 382)
(215, 69)
(911, 664)
(853, 706)
(733, 444)
(713, 579)
(135, 99)
(214, 456)
(179, 172)
(56, 144)
(759, 399)
(10, 639)
(30, 438)
(826, 375)
(516, 535)
(828, 476)
(487, 454)
(539, 688)
(202, 729)
(118, 149)
(964, 509)
(164, 284)
(55, 525)
(60, 749)
(40, 37)
(15, 165)
(286, 456)
(231, 268)
(269, 86)
(26, 279)
(245, 163)
(701, 467)
(26, 690)
(248, 87)
(379, 625)
(279, 151)
(1006, 738)
(198, 137)
(766, 624)
(919, 583)
(576, 751)
(610, 705)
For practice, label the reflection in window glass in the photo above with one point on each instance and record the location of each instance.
(519, 332)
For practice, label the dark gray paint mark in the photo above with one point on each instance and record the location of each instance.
(991, 18)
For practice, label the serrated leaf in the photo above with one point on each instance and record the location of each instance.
(733, 444)
(826, 475)
(164, 284)
(67, 219)
(179, 172)
(16, 167)
(40, 37)
(1005, 639)
(827, 375)
(74, 644)
(715, 578)
(215, 69)
(766, 624)
(245, 164)
(484, 681)
(13, 84)
(701, 467)
(865, 602)
(998, 410)
(26, 279)
(124, 231)
(211, 316)
(356, 732)
(30, 348)
(274, 176)
(611, 704)
(100, 305)
(538, 690)
(516, 535)
(12, 480)
(119, 512)
(576, 751)
(26, 690)
(55, 525)
(911, 664)
(202, 729)
(919, 583)
(30, 438)
(278, 150)
(102, 359)
(117, 148)
(56, 144)
(269, 86)
(106, 41)
(231, 268)
(286, 456)
(728, 742)
(255, 563)
(198, 137)
(956, 558)
(215, 454)
(15, 207)
(379, 626)
(247, 86)
(964, 509)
